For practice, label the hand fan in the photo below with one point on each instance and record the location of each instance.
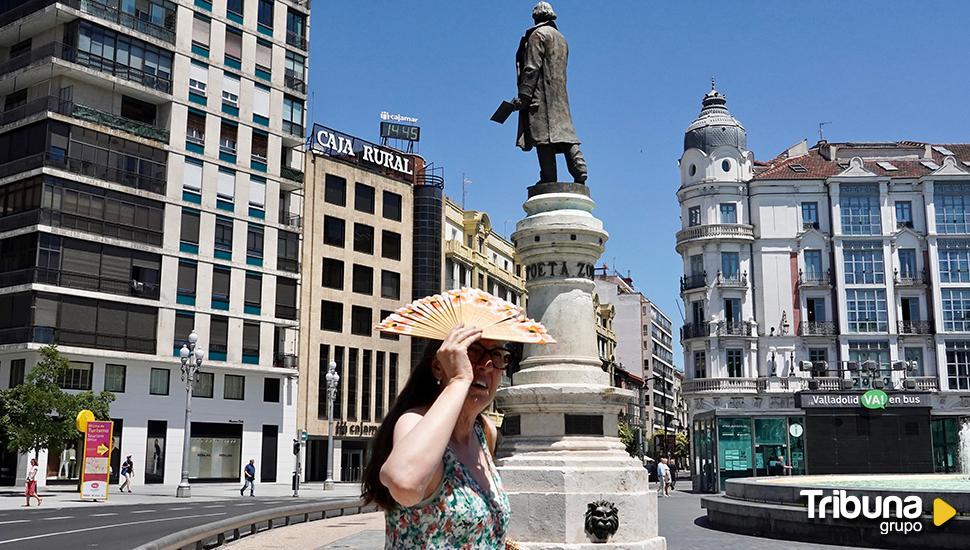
(434, 316)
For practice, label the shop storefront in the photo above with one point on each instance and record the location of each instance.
(215, 452)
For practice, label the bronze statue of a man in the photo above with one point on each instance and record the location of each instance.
(544, 119)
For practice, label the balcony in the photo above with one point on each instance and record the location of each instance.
(720, 231)
(926, 383)
(84, 281)
(910, 277)
(690, 282)
(291, 220)
(294, 82)
(288, 264)
(914, 327)
(296, 40)
(124, 19)
(286, 361)
(818, 328)
(84, 168)
(291, 313)
(734, 328)
(814, 279)
(720, 385)
(733, 280)
(83, 112)
(694, 330)
(70, 337)
(291, 174)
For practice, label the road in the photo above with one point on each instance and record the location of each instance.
(121, 527)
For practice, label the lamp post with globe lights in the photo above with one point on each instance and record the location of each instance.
(192, 356)
(333, 379)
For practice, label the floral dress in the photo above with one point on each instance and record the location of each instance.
(460, 513)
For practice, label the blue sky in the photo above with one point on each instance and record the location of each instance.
(637, 72)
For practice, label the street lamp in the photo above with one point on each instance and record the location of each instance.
(332, 380)
(191, 356)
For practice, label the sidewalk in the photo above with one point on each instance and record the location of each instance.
(357, 532)
(67, 496)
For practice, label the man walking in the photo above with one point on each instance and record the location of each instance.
(249, 476)
(663, 475)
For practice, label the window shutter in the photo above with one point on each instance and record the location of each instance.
(192, 177)
(257, 193)
(226, 186)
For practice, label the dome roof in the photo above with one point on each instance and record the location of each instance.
(715, 126)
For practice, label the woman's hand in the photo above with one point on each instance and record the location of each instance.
(452, 356)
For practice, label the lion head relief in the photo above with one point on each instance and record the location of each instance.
(602, 520)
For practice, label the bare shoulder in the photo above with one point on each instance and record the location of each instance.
(491, 433)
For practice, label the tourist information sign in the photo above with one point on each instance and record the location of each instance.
(96, 466)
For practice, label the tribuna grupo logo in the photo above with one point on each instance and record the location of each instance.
(897, 514)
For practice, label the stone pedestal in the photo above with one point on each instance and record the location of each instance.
(561, 451)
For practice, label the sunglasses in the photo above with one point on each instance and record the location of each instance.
(499, 356)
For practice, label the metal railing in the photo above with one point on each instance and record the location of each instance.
(734, 328)
(694, 330)
(809, 225)
(291, 174)
(85, 281)
(296, 40)
(817, 328)
(84, 112)
(124, 19)
(85, 168)
(72, 337)
(730, 231)
(291, 220)
(216, 534)
(288, 264)
(690, 282)
(814, 278)
(286, 360)
(914, 327)
(910, 277)
(294, 82)
(287, 312)
(736, 280)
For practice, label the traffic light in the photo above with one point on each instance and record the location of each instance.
(296, 446)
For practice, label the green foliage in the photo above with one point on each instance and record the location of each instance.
(682, 449)
(39, 414)
(627, 437)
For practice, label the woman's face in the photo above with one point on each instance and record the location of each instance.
(489, 359)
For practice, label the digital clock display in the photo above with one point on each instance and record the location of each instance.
(394, 130)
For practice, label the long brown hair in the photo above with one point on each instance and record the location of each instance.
(421, 390)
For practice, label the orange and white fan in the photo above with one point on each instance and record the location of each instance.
(434, 316)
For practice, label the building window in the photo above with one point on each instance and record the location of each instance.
(199, 72)
(364, 198)
(333, 274)
(729, 212)
(264, 13)
(158, 383)
(386, 335)
(866, 310)
(335, 190)
(223, 236)
(254, 241)
(365, 380)
(956, 309)
(235, 387)
(915, 357)
(392, 206)
(390, 245)
(363, 279)
(730, 266)
(333, 231)
(187, 277)
(860, 210)
(952, 201)
(391, 378)
(735, 363)
(192, 176)
(18, 368)
(700, 364)
(228, 138)
(235, 6)
(292, 116)
(250, 343)
(878, 352)
(379, 386)
(813, 265)
(331, 316)
(361, 320)
(264, 55)
(693, 216)
(184, 325)
(352, 383)
(288, 251)
(809, 215)
(204, 382)
(390, 284)
(323, 364)
(954, 261)
(286, 298)
(295, 29)
(363, 238)
(907, 263)
(218, 338)
(190, 227)
(816, 355)
(195, 124)
(253, 297)
(863, 261)
(234, 45)
(904, 214)
(114, 378)
(260, 150)
(271, 390)
(77, 376)
(221, 283)
(958, 365)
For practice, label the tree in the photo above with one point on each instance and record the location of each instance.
(627, 437)
(38, 414)
(682, 447)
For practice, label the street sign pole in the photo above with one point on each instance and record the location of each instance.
(298, 470)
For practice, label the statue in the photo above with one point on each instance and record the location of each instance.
(545, 122)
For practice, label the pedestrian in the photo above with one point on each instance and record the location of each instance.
(249, 477)
(30, 489)
(672, 464)
(431, 469)
(783, 469)
(127, 472)
(668, 477)
(662, 472)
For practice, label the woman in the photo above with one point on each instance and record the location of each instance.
(127, 472)
(431, 467)
(31, 484)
